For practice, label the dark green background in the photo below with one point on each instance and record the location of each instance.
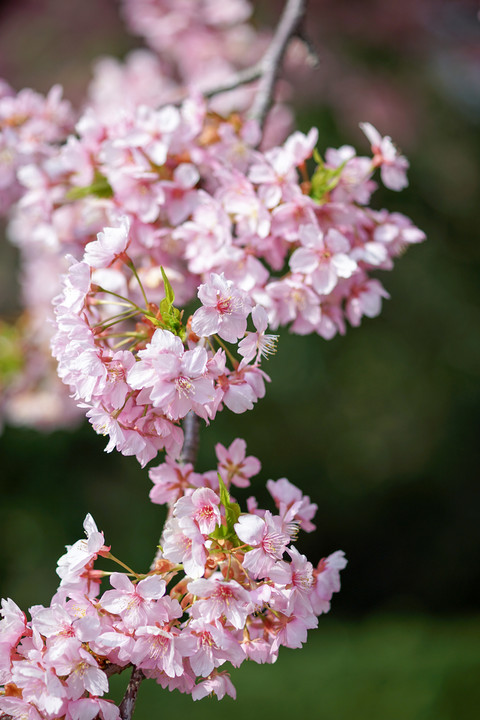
(380, 427)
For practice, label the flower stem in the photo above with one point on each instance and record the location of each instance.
(119, 562)
(232, 359)
(137, 278)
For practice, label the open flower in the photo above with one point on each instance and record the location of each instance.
(225, 310)
(267, 538)
(393, 166)
(257, 344)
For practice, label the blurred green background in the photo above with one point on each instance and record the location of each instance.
(380, 427)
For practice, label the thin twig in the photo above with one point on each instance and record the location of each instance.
(313, 58)
(267, 68)
(271, 62)
(234, 81)
(242, 77)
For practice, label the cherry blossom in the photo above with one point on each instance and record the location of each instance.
(234, 466)
(224, 310)
(393, 166)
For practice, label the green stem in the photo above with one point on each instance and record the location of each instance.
(119, 562)
(232, 359)
(123, 342)
(140, 336)
(110, 292)
(114, 319)
(111, 302)
(134, 270)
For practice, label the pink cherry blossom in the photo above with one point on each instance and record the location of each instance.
(257, 345)
(292, 504)
(267, 538)
(72, 564)
(220, 598)
(224, 310)
(110, 244)
(131, 601)
(234, 466)
(174, 380)
(158, 649)
(393, 166)
(323, 258)
(183, 542)
(218, 683)
(327, 576)
(18, 708)
(90, 708)
(202, 507)
(214, 646)
(170, 481)
(297, 577)
(365, 299)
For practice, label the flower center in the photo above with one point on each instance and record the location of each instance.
(184, 386)
(225, 305)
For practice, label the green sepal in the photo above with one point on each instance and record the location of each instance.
(100, 188)
(232, 513)
(323, 179)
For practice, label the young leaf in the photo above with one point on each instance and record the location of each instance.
(169, 294)
(100, 187)
(324, 179)
(232, 513)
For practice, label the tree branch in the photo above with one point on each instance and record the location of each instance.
(191, 438)
(266, 70)
(191, 433)
(271, 62)
(243, 77)
(127, 706)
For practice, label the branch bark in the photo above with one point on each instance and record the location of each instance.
(127, 706)
(191, 438)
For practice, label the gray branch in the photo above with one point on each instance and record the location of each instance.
(289, 26)
(267, 69)
(191, 438)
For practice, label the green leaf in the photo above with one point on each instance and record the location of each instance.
(324, 179)
(171, 316)
(100, 187)
(169, 294)
(232, 513)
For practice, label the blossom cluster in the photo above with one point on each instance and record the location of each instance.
(225, 586)
(30, 125)
(194, 203)
(291, 230)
